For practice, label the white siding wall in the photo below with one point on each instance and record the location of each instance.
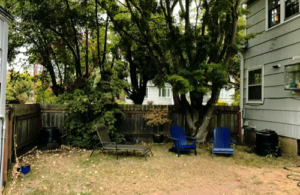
(153, 95)
(3, 60)
(280, 110)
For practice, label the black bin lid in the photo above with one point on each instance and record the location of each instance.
(266, 132)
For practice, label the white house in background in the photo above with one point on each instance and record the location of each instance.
(164, 96)
(158, 96)
(225, 95)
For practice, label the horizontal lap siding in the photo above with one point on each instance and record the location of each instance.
(287, 104)
(282, 129)
(276, 116)
(280, 110)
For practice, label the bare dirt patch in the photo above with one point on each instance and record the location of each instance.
(73, 172)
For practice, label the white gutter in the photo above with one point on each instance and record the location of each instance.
(5, 20)
(2, 118)
(241, 90)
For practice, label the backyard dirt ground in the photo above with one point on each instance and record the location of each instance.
(73, 172)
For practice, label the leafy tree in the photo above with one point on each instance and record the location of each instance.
(141, 70)
(43, 94)
(61, 35)
(91, 103)
(193, 53)
(69, 39)
(19, 88)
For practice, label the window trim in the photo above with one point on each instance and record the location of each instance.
(282, 15)
(159, 91)
(286, 18)
(262, 85)
(270, 10)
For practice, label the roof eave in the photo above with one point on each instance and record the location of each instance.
(6, 15)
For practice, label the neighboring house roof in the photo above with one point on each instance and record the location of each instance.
(5, 13)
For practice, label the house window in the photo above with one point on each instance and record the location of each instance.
(291, 8)
(255, 85)
(274, 12)
(278, 11)
(292, 76)
(165, 92)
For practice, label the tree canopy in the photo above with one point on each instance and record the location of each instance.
(191, 44)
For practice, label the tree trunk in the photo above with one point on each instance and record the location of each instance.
(202, 129)
(199, 120)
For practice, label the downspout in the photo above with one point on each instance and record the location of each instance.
(241, 91)
(2, 118)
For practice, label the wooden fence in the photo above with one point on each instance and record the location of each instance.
(133, 125)
(27, 120)
(24, 121)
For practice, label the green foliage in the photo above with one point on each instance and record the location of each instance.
(43, 92)
(221, 103)
(235, 104)
(236, 98)
(68, 39)
(19, 88)
(91, 103)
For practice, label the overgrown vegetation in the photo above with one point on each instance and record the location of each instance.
(19, 88)
(91, 103)
(194, 50)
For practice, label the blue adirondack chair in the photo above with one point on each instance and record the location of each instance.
(179, 139)
(222, 140)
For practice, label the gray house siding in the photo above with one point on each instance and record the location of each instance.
(280, 110)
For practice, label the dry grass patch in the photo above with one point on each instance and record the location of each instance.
(73, 172)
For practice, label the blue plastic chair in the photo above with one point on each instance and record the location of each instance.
(179, 139)
(222, 140)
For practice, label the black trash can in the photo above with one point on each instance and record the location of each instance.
(267, 143)
(49, 138)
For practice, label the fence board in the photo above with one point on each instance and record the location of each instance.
(134, 124)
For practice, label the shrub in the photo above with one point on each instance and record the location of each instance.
(235, 104)
(90, 104)
(221, 103)
(156, 117)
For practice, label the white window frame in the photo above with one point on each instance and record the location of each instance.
(160, 92)
(262, 85)
(282, 15)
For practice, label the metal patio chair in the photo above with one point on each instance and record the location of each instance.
(107, 144)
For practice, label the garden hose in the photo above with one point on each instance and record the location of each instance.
(293, 176)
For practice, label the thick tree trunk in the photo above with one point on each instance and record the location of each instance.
(199, 120)
(202, 129)
(192, 118)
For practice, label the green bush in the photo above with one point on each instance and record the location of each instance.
(89, 104)
(221, 103)
(235, 104)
